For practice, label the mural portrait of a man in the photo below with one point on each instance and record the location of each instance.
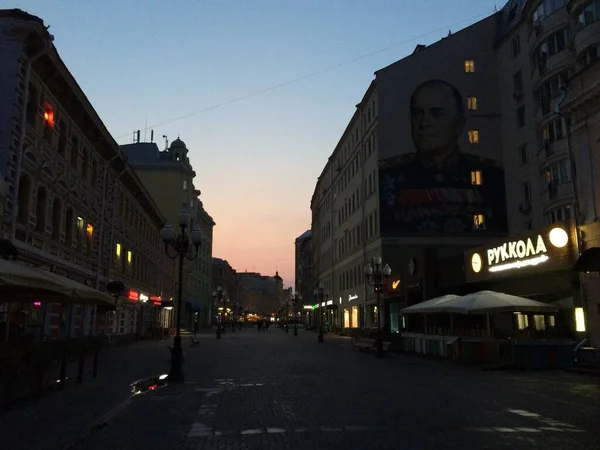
(439, 188)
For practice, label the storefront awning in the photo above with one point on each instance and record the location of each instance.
(588, 261)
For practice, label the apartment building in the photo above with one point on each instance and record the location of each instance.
(416, 177)
(62, 171)
(168, 175)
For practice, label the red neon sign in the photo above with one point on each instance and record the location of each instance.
(133, 295)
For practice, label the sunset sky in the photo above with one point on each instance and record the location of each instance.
(260, 91)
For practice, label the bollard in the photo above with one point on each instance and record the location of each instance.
(63, 372)
(80, 367)
(95, 364)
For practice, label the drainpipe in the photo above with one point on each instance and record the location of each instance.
(47, 43)
(576, 213)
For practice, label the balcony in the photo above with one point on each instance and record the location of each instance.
(586, 36)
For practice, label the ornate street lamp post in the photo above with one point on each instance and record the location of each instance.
(179, 246)
(217, 300)
(320, 296)
(377, 277)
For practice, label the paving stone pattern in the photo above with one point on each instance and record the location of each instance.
(275, 391)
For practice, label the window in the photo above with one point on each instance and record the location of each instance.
(62, 138)
(185, 185)
(469, 66)
(472, 103)
(523, 156)
(32, 105)
(528, 225)
(90, 238)
(69, 227)
(74, 152)
(518, 82)
(129, 256)
(479, 221)
(553, 131)
(23, 200)
(559, 214)
(476, 178)
(48, 122)
(521, 116)
(40, 209)
(526, 191)
(474, 136)
(516, 47)
(56, 218)
(559, 172)
(590, 13)
(118, 250)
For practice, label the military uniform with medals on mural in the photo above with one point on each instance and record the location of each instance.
(439, 189)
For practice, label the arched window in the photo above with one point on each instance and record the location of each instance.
(62, 138)
(56, 218)
(23, 200)
(41, 207)
(69, 227)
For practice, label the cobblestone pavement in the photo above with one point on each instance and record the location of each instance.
(272, 390)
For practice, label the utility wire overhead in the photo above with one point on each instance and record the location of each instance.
(304, 77)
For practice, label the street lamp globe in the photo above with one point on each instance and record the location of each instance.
(368, 270)
(377, 261)
(387, 270)
(316, 292)
(219, 288)
(197, 237)
(183, 218)
(167, 234)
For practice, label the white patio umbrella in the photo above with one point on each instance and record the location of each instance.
(485, 302)
(429, 306)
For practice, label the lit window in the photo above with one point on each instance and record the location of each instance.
(474, 136)
(479, 221)
(49, 116)
(476, 177)
(90, 230)
(472, 103)
(469, 65)
(79, 223)
(118, 250)
(129, 256)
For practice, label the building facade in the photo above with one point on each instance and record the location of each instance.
(225, 276)
(549, 51)
(416, 177)
(260, 294)
(304, 283)
(524, 82)
(61, 171)
(168, 176)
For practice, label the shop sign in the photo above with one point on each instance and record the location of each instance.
(352, 297)
(519, 253)
(133, 295)
(308, 307)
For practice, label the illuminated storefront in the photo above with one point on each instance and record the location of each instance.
(537, 266)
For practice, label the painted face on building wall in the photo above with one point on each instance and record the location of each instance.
(436, 119)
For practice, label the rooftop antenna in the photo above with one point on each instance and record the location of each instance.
(166, 142)
(145, 128)
(495, 9)
(151, 136)
(133, 140)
